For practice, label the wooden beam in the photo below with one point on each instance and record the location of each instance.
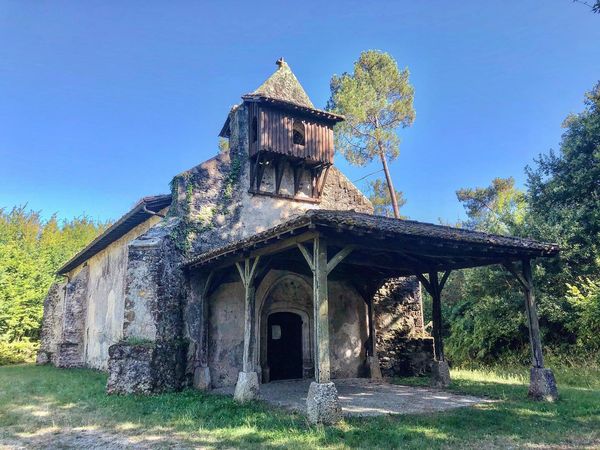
(322, 180)
(372, 347)
(532, 318)
(207, 284)
(297, 173)
(279, 170)
(241, 272)
(278, 244)
(253, 164)
(205, 312)
(424, 248)
(260, 169)
(246, 273)
(444, 279)
(425, 282)
(307, 256)
(338, 258)
(294, 198)
(513, 270)
(438, 344)
(321, 311)
(314, 173)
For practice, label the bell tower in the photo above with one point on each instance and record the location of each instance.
(290, 142)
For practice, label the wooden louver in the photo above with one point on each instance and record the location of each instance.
(272, 131)
(271, 141)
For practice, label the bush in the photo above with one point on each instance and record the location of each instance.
(17, 352)
(585, 300)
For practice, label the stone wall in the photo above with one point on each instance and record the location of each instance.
(153, 348)
(226, 334)
(106, 296)
(286, 291)
(348, 331)
(70, 350)
(51, 333)
(216, 207)
(402, 345)
(163, 309)
(100, 323)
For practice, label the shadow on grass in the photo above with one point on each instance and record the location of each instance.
(39, 402)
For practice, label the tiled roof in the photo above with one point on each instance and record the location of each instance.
(142, 211)
(360, 223)
(283, 85)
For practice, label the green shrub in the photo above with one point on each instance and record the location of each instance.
(17, 352)
(585, 300)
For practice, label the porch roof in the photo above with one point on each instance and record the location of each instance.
(396, 246)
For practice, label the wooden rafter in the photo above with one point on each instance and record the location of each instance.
(297, 173)
(279, 171)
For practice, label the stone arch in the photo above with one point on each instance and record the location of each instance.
(285, 292)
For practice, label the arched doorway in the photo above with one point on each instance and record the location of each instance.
(284, 346)
(285, 300)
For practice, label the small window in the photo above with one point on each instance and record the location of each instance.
(298, 133)
(275, 332)
(254, 130)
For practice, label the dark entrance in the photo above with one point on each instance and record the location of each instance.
(284, 346)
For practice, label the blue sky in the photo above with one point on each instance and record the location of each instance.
(104, 102)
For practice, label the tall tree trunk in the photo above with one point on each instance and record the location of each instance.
(388, 179)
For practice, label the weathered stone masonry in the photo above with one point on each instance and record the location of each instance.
(402, 345)
(267, 231)
(173, 332)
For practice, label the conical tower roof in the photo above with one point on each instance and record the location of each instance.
(283, 90)
(283, 85)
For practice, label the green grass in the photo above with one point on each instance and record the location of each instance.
(36, 403)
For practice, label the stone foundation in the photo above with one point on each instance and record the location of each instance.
(406, 356)
(440, 374)
(146, 368)
(542, 385)
(374, 367)
(202, 379)
(247, 387)
(322, 404)
(69, 355)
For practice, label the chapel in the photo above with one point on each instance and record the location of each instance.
(266, 263)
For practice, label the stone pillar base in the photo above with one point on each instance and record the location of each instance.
(542, 385)
(374, 368)
(247, 387)
(440, 374)
(69, 355)
(322, 404)
(202, 378)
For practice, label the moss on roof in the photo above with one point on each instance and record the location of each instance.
(283, 85)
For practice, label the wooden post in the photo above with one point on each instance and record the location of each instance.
(247, 276)
(525, 279)
(532, 318)
(247, 386)
(372, 351)
(321, 268)
(434, 286)
(436, 313)
(440, 372)
(205, 316)
(322, 403)
(542, 385)
(321, 311)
